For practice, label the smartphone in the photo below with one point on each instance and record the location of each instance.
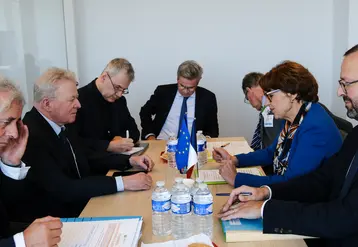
(127, 173)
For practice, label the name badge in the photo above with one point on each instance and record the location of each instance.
(268, 120)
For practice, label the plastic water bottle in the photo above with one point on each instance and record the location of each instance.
(201, 148)
(181, 212)
(171, 150)
(203, 210)
(177, 181)
(161, 218)
(195, 187)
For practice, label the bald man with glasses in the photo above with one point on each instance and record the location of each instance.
(164, 111)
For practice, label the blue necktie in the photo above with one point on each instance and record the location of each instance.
(352, 170)
(183, 110)
(256, 143)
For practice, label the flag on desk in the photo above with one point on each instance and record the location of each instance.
(186, 156)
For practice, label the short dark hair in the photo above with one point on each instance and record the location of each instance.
(291, 77)
(350, 51)
(251, 80)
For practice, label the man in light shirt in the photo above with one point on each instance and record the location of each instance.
(162, 114)
(13, 140)
(60, 167)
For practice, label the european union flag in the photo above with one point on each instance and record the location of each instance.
(185, 155)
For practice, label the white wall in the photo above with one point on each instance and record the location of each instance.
(229, 38)
(35, 33)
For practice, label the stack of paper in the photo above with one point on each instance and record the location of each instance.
(213, 176)
(102, 232)
(233, 147)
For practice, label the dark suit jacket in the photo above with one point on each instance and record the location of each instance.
(160, 104)
(99, 121)
(310, 205)
(53, 169)
(6, 240)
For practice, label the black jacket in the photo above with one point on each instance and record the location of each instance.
(310, 204)
(53, 169)
(99, 121)
(160, 104)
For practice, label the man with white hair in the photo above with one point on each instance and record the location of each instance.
(59, 164)
(13, 140)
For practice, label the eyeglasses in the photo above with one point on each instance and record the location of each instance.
(345, 84)
(118, 88)
(269, 95)
(187, 88)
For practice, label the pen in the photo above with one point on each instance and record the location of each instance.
(127, 134)
(222, 146)
(228, 194)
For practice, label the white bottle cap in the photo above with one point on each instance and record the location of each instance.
(203, 186)
(160, 183)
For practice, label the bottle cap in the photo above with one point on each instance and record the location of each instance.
(203, 186)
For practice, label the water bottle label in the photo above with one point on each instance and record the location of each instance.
(181, 208)
(160, 206)
(172, 148)
(203, 209)
(201, 147)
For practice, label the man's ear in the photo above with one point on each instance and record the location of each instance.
(46, 104)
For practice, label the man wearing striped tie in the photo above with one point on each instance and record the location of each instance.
(268, 128)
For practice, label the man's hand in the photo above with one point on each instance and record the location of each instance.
(151, 138)
(120, 144)
(139, 181)
(43, 232)
(245, 210)
(220, 154)
(143, 161)
(13, 152)
(227, 170)
(257, 194)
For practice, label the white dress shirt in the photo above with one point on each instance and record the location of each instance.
(263, 205)
(171, 124)
(57, 129)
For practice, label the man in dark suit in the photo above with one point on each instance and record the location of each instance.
(323, 203)
(104, 119)
(13, 140)
(56, 155)
(268, 128)
(161, 115)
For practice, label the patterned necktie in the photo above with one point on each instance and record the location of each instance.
(256, 143)
(352, 170)
(183, 110)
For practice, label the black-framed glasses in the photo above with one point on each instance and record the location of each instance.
(345, 84)
(118, 88)
(269, 95)
(187, 88)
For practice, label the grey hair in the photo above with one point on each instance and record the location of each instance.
(6, 85)
(118, 64)
(190, 70)
(46, 85)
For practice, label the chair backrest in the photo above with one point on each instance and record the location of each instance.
(343, 125)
